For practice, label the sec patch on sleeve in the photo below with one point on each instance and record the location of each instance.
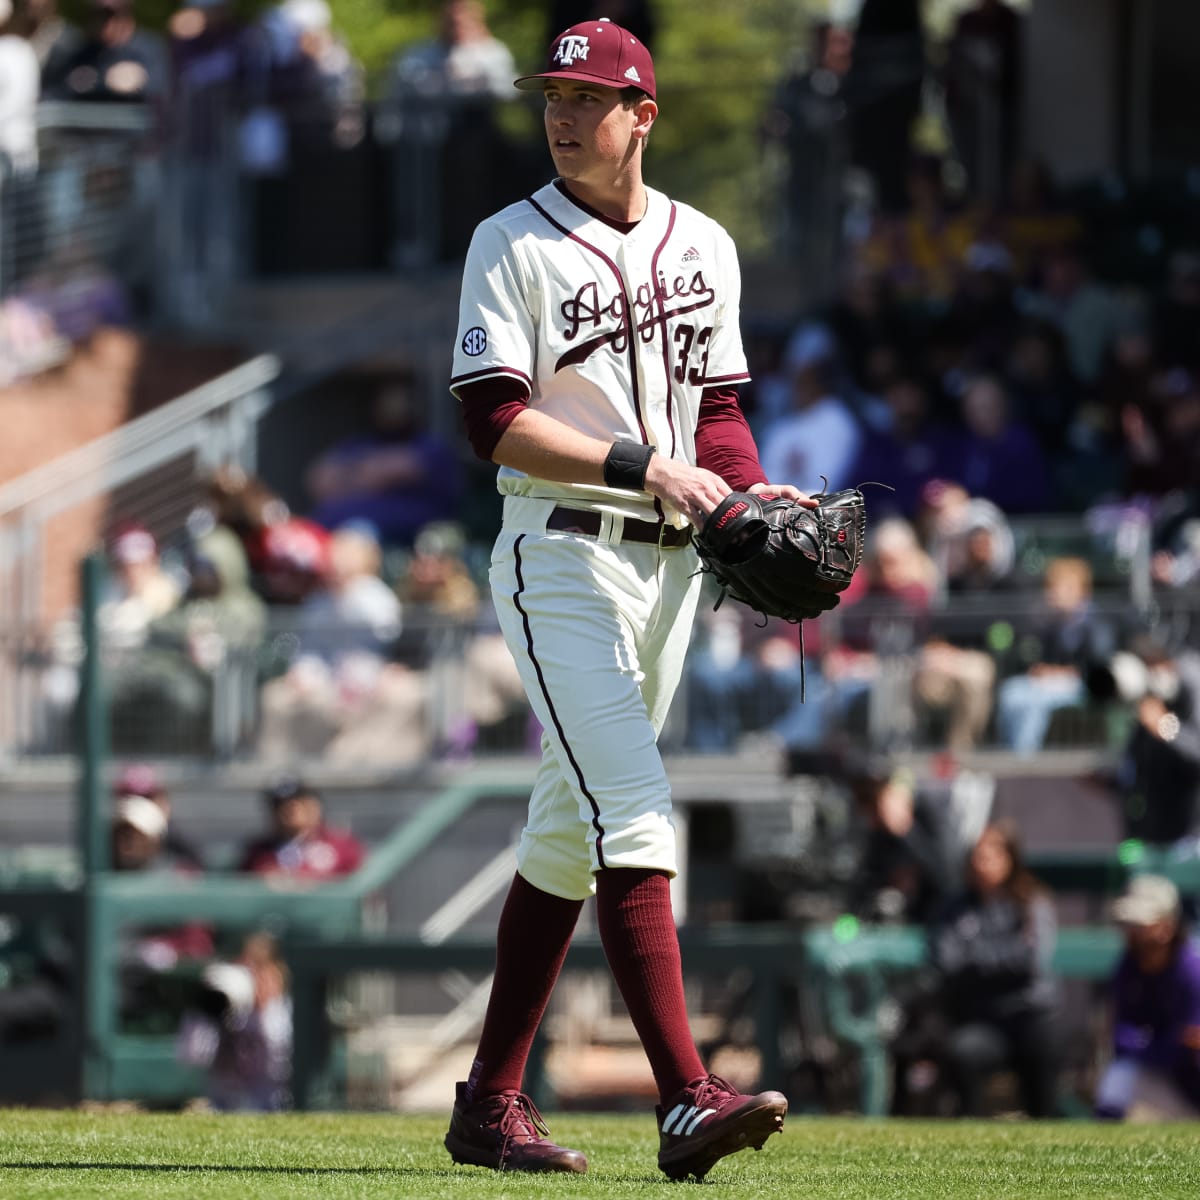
(475, 341)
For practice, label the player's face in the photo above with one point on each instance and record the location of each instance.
(591, 133)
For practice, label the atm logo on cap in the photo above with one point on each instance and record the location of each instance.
(571, 49)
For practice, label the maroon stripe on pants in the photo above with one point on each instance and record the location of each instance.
(562, 737)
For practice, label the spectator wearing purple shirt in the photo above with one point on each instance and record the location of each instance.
(996, 456)
(397, 476)
(1156, 995)
(908, 454)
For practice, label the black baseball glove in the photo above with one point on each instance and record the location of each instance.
(780, 558)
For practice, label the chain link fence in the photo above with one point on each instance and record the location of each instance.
(77, 244)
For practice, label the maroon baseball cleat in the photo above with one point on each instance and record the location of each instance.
(506, 1132)
(709, 1119)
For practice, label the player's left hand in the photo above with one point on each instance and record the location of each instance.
(786, 490)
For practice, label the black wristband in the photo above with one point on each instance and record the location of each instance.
(626, 464)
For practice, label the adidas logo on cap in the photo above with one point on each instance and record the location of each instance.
(633, 75)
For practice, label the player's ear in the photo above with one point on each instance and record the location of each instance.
(644, 115)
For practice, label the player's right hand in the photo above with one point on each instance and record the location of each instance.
(693, 491)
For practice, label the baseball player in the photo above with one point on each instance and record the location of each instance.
(597, 361)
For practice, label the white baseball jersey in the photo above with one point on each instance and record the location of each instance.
(615, 334)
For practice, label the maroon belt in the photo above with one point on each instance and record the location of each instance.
(587, 521)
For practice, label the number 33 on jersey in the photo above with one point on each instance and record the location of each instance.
(614, 333)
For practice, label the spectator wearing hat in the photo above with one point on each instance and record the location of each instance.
(138, 828)
(166, 696)
(144, 952)
(343, 695)
(139, 779)
(299, 844)
(978, 555)
(137, 592)
(1155, 1069)
(139, 589)
(288, 555)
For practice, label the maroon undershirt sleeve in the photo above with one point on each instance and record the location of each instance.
(724, 443)
(488, 408)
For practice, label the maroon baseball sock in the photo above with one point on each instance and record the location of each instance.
(531, 942)
(633, 911)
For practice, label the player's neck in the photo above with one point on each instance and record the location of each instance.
(624, 200)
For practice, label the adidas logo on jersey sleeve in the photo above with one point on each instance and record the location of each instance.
(691, 254)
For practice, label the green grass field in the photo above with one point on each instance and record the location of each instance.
(133, 1155)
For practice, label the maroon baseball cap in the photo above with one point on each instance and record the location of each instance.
(596, 52)
(138, 779)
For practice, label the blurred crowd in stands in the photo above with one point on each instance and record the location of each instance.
(990, 1001)
(983, 351)
(368, 639)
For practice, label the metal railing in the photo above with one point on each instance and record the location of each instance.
(86, 206)
(211, 425)
(436, 690)
(77, 235)
(150, 469)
